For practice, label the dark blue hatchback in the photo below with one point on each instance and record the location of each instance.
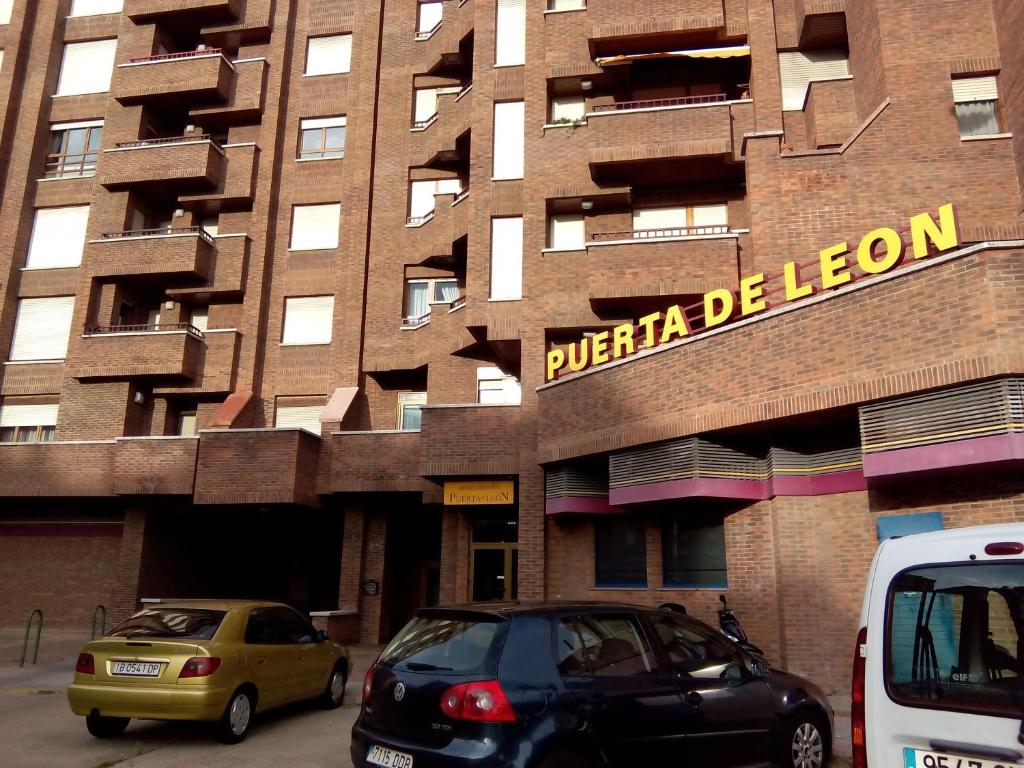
(581, 685)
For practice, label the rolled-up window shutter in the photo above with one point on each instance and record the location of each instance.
(509, 144)
(58, 237)
(300, 416)
(329, 55)
(430, 14)
(967, 89)
(799, 68)
(507, 258)
(421, 197)
(710, 215)
(510, 33)
(568, 108)
(324, 122)
(95, 7)
(426, 104)
(5, 11)
(315, 226)
(33, 415)
(86, 67)
(659, 218)
(567, 5)
(567, 233)
(42, 328)
(308, 320)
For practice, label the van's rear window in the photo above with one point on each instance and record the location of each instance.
(171, 623)
(463, 645)
(956, 639)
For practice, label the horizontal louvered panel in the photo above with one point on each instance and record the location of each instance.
(575, 481)
(785, 462)
(715, 460)
(674, 460)
(989, 408)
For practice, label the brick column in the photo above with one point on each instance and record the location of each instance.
(449, 554)
(351, 559)
(531, 531)
(129, 565)
(374, 552)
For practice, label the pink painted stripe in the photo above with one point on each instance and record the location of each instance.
(712, 487)
(581, 505)
(819, 485)
(961, 453)
(82, 530)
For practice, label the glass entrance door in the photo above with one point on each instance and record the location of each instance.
(494, 559)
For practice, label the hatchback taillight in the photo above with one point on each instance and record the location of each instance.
(199, 666)
(368, 683)
(86, 664)
(997, 548)
(858, 733)
(483, 702)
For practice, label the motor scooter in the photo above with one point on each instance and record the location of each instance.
(729, 626)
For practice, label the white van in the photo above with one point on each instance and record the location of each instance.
(938, 675)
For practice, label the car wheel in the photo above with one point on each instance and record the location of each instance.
(564, 759)
(106, 727)
(807, 742)
(335, 691)
(234, 724)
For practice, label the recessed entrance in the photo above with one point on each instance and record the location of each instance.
(494, 558)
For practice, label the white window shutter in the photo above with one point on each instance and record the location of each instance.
(430, 14)
(510, 33)
(567, 233)
(87, 67)
(200, 318)
(421, 197)
(659, 218)
(799, 68)
(42, 328)
(308, 320)
(507, 258)
(967, 89)
(568, 108)
(509, 139)
(426, 104)
(710, 215)
(301, 416)
(567, 5)
(324, 122)
(329, 55)
(315, 227)
(6, 6)
(95, 7)
(58, 237)
(29, 415)
(448, 187)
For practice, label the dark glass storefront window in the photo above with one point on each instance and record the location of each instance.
(620, 552)
(693, 551)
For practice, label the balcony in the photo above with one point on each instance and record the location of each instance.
(830, 113)
(178, 164)
(166, 350)
(217, 366)
(187, 78)
(469, 440)
(820, 23)
(652, 23)
(257, 466)
(244, 103)
(196, 11)
(226, 272)
(430, 238)
(236, 182)
(41, 469)
(182, 253)
(385, 461)
(154, 465)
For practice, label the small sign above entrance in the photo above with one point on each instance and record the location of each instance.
(472, 492)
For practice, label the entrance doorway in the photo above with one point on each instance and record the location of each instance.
(494, 558)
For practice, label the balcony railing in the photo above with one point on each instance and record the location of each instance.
(428, 33)
(418, 221)
(110, 330)
(174, 56)
(459, 303)
(656, 234)
(681, 101)
(159, 232)
(415, 322)
(422, 125)
(192, 137)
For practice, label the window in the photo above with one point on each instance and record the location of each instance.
(420, 293)
(424, 106)
(87, 67)
(42, 328)
(292, 414)
(976, 100)
(567, 5)
(566, 233)
(422, 193)
(510, 33)
(568, 108)
(428, 16)
(614, 645)
(295, 630)
(507, 258)
(694, 651)
(620, 552)
(323, 137)
(953, 638)
(6, 6)
(496, 387)
(211, 225)
(329, 55)
(409, 411)
(315, 227)
(693, 551)
(186, 423)
(508, 146)
(262, 628)
(199, 318)
(74, 149)
(798, 69)
(468, 646)
(95, 7)
(58, 237)
(27, 423)
(308, 320)
(678, 221)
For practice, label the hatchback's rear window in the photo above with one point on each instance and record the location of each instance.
(464, 645)
(171, 623)
(956, 639)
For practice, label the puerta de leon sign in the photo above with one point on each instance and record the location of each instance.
(879, 251)
(472, 492)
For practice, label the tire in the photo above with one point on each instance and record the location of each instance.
(234, 723)
(563, 758)
(334, 693)
(106, 727)
(807, 743)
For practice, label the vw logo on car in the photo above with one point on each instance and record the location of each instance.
(399, 691)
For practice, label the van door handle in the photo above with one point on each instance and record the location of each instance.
(693, 698)
(977, 750)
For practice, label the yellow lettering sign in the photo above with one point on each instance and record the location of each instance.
(943, 236)
(473, 492)
(791, 279)
(751, 293)
(622, 340)
(833, 266)
(676, 326)
(556, 359)
(716, 315)
(867, 247)
(599, 342)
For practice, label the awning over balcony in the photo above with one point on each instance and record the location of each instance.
(725, 52)
(339, 404)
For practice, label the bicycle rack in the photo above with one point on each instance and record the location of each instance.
(28, 629)
(100, 611)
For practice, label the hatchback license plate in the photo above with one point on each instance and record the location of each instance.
(136, 668)
(390, 758)
(922, 758)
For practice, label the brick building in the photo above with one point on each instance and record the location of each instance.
(278, 281)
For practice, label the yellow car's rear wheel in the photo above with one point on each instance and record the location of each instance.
(234, 724)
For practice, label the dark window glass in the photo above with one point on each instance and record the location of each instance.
(620, 552)
(693, 551)
(694, 650)
(450, 645)
(978, 118)
(177, 623)
(322, 142)
(495, 531)
(954, 638)
(294, 628)
(570, 655)
(263, 628)
(7, 434)
(73, 152)
(614, 645)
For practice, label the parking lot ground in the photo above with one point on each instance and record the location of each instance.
(37, 729)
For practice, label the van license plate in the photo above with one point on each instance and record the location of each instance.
(136, 668)
(921, 758)
(390, 758)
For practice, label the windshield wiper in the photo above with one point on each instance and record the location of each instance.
(419, 666)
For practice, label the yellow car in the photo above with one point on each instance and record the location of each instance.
(216, 660)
